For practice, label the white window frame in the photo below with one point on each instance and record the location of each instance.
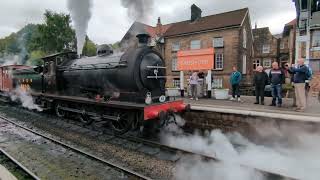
(219, 58)
(217, 83)
(174, 64)
(244, 38)
(266, 48)
(267, 61)
(282, 45)
(218, 42)
(195, 44)
(176, 83)
(176, 46)
(316, 42)
(256, 63)
(244, 64)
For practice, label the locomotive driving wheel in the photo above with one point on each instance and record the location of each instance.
(59, 112)
(123, 124)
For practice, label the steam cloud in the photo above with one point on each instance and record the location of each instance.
(139, 10)
(80, 13)
(25, 99)
(298, 159)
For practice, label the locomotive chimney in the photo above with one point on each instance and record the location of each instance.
(143, 39)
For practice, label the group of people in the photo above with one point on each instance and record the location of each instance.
(295, 74)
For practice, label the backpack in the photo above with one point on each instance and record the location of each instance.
(309, 73)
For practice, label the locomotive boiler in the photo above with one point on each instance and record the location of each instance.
(133, 76)
(123, 91)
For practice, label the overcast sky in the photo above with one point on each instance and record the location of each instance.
(109, 20)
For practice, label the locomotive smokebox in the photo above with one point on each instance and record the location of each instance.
(143, 39)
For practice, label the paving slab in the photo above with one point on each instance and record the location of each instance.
(247, 107)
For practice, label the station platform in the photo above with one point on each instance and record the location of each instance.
(247, 108)
(5, 174)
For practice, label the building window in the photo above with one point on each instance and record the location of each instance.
(218, 42)
(217, 83)
(282, 45)
(176, 83)
(304, 4)
(195, 44)
(244, 38)
(266, 48)
(244, 64)
(267, 63)
(218, 64)
(176, 46)
(256, 63)
(174, 64)
(316, 39)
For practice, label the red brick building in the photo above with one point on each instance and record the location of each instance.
(270, 48)
(228, 33)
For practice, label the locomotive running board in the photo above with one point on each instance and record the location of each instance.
(113, 118)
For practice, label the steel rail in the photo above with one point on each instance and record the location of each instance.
(79, 151)
(203, 156)
(22, 167)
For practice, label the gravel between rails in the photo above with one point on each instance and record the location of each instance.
(49, 160)
(84, 139)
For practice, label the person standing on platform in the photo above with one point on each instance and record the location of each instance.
(194, 81)
(260, 81)
(235, 80)
(277, 78)
(300, 77)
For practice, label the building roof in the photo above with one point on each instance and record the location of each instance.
(292, 23)
(212, 22)
(138, 27)
(258, 31)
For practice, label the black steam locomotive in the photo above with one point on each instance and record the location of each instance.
(124, 90)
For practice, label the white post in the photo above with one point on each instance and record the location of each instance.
(297, 56)
(182, 83)
(209, 82)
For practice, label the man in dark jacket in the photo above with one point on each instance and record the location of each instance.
(260, 81)
(299, 79)
(277, 78)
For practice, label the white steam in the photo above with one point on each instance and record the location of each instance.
(80, 13)
(25, 99)
(139, 10)
(298, 160)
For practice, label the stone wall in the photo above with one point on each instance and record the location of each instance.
(254, 128)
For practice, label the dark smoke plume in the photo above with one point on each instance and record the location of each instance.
(139, 10)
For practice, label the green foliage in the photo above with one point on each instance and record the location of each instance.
(116, 45)
(56, 34)
(35, 41)
(89, 49)
(35, 58)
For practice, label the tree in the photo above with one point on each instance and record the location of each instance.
(56, 34)
(35, 58)
(116, 45)
(89, 49)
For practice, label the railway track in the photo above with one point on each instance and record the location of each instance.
(131, 174)
(182, 152)
(18, 167)
(158, 149)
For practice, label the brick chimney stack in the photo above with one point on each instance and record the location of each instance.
(195, 13)
(159, 27)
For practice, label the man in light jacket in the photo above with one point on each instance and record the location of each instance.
(299, 79)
